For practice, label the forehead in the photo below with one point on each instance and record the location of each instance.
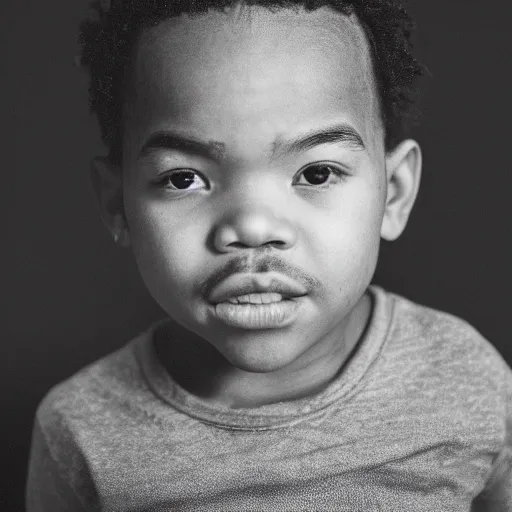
(249, 67)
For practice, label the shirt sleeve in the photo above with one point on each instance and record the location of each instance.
(497, 494)
(47, 490)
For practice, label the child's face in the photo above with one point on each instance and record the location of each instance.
(248, 86)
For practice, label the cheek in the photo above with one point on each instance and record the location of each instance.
(168, 250)
(350, 236)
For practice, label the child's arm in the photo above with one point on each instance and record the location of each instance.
(497, 495)
(47, 490)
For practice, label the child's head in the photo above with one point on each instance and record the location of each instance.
(255, 148)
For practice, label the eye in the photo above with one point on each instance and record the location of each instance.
(319, 173)
(181, 179)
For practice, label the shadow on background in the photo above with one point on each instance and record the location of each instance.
(72, 296)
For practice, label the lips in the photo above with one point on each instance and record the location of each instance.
(244, 284)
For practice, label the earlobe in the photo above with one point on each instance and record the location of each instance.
(403, 171)
(107, 184)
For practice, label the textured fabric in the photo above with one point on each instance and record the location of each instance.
(420, 419)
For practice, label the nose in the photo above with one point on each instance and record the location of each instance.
(253, 227)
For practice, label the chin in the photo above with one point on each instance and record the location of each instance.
(257, 356)
(258, 366)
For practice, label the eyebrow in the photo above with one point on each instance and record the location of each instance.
(215, 150)
(338, 134)
(166, 140)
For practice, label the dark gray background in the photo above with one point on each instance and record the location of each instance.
(71, 295)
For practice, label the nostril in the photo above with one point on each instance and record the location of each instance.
(238, 245)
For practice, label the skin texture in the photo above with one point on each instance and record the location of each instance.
(251, 80)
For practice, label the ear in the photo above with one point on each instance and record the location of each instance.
(107, 184)
(403, 172)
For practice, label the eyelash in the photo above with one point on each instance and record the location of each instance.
(338, 172)
(165, 179)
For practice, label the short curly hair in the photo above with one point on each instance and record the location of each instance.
(107, 39)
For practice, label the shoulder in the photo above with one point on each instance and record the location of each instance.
(442, 333)
(447, 350)
(89, 396)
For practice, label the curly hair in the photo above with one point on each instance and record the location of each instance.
(108, 37)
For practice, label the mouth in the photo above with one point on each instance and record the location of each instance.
(257, 298)
(255, 289)
(256, 301)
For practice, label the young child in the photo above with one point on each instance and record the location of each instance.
(258, 153)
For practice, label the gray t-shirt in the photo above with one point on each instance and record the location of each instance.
(420, 419)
